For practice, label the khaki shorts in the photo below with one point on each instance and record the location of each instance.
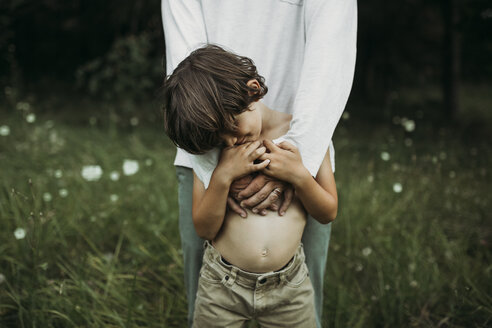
(228, 296)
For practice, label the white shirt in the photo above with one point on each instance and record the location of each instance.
(305, 49)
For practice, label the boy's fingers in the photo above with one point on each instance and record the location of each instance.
(234, 206)
(288, 196)
(287, 146)
(265, 156)
(253, 145)
(257, 153)
(270, 145)
(261, 166)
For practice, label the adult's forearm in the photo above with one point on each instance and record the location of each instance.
(326, 78)
(184, 29)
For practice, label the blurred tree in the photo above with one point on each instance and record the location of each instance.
(400, 44)
(452, 58)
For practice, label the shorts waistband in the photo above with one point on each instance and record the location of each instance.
(231, 273)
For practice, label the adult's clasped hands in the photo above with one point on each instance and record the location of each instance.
(261, 194)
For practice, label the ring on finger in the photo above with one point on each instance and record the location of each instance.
(277, 191)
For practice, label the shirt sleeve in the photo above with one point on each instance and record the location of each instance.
(326, 77)
(184, 29)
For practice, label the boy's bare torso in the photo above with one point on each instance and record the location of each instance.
(262, 243)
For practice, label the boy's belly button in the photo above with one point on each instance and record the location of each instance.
(264, 252)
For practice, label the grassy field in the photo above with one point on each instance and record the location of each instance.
(411, 245)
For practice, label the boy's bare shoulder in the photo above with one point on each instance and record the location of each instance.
(281, 126)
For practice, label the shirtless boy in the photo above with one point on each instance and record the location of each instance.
(253, 267)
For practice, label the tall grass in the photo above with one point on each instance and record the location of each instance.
(410, 247)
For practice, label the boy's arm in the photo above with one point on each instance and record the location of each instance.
(319, 196)
(209, 205)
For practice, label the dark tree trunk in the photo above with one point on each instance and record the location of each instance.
(451, 60)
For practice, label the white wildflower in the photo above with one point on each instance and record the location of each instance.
(374, 298)
(63, 192)
(452, 174)
(359, 267)
(31, 118)
(108, 256)
(130, 167)
(4, 130)
(397, 187)
(58, 174)
(20, 233)
(385, 156)
(114, 198)
(134, 121)
(346, 115)
(442, 155)
(414, 284)
(370, 178)
(409, 125)
(411, 267)
(114, 176)
(2, 278)
(387, 287)
(47, 197)
(148, 161)
(366, 251)
(91, 172)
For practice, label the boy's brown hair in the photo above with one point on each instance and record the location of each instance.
(204, 93)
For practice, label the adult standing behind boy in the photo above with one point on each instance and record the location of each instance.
(306, 51)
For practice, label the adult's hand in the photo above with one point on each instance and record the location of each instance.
(236, 187)
(264, 193)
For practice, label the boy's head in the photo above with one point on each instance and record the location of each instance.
(204, 94)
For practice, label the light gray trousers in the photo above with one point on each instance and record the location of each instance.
(316, 239)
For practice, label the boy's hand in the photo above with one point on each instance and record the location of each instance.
(237, 161)
(285, 162)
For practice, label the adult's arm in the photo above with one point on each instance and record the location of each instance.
(326, 77)
(184, 29)
(325, 83)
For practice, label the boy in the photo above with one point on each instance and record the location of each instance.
(254, 267)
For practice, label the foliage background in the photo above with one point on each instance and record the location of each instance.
(79, 86)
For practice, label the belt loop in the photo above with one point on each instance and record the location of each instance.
(230, 278)
(282, 278)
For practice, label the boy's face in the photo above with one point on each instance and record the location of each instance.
(248, 127)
